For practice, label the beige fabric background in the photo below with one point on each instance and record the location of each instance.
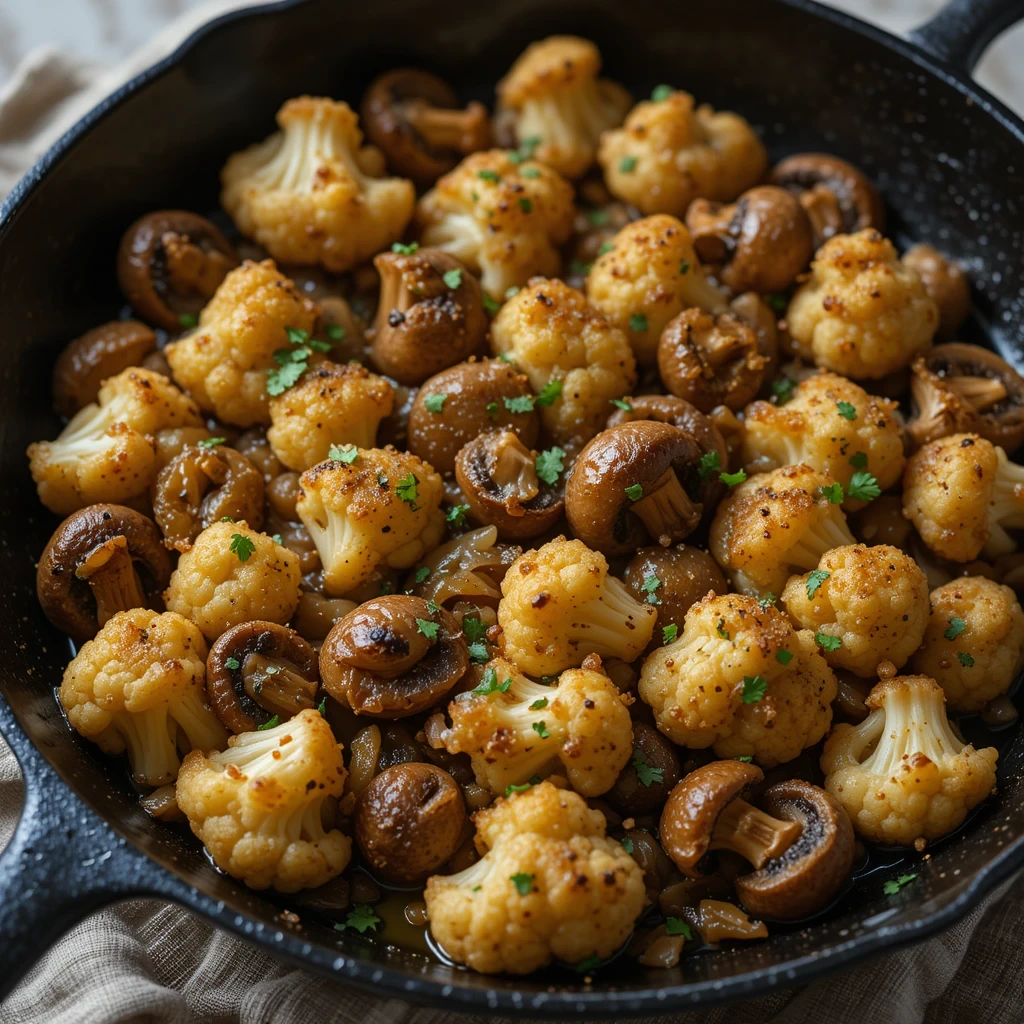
(148, 962)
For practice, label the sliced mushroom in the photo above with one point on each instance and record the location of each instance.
(946, 283)
(631, 794)
(101, 560)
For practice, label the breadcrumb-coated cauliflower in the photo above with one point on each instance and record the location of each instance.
(139, 687)
(648, 276)
(331, 405)
(874, 601)
(962, 492)
(816, 427)
(551, 334)
(740, 679)
(550, 886)
(776, 524)
(307, 193)
(559, 604)
(555, 99)
(108, 452)
(504, 220)
(974, 644)
(902, 774)
(863, 313)
(384, 507)
(223, 364)
(667, 154)
(231, 575)
(258, 806)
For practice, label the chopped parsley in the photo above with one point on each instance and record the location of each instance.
(428, 629)
(605, 248)
(433, 607)
(541, 729)
(722, 631)
(863, 487)
(733, 479)
(335, 332)
(435, 402)
(684, 267)
(456, 515)
(627, 844)
(547, 394)
(406, 489)
(322, 706)
(490, 304)
(452, 278)
(834, 493)
(270, 723)
(478, 653)
(815, 578)
(660, 93)
(421, 575)
(385, 587)
(754, 688)
(549, 464)
(188, 320)
(846, 410)
(529, 172)
(521, 403)
(523, 882)
(768, 600)
(710, 462)
(635, 492)
(588, 963)
(778, 301)
(526, 205)
(669, 633)
(956, 627)
(539, 705)
(621, 403)
(783, 657)
(489, 175)
(525, 150)
(493, 410)
(211, 442)
(233, 664)
(474, 628)
(859, 460)
(292, 362)
(745, 758)
(599, 218)
(965, 659)
(828, 642)
(348, 454)
(649, 586)
(404, 250)
(361, 917)
(513, 788)
(894, 885)
(277, 539)
(645, 772)
(489, 684)
(627, 164)
(242, 546)
(677, 926)
(637, 322)
(782, 389)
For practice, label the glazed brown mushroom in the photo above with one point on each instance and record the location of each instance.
(761, 242)
(90, 359)
(259, 670)
(431, 314)
(409, 822)
(392, 657)
(633, 483)
(497, 475)
(414, 118)
(946, 283)
(101, 560)
(202, 485)
(170, 263)
(629, 795)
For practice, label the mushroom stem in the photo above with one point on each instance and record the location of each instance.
(443, 128)
(514, 471)
(824, 212)
(980, 392)
(667, 512)
(754, 835)
(115, 584)
(276, 686)
(214, 467)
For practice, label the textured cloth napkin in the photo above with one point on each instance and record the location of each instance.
(146, 961)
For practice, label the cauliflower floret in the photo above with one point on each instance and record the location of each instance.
(550, 886)
(835, 426)
(308, 193)
(551, 334)
(865, 605)
(559, 604)
(504, 220)
(902, 774)
(139, 687)
(961, 492)
(233, 574)
(331, 405)
(648, 276)
(863, 313)
(556, 102)
(974, 644)
(776, 524)
(740, 679)
(667, 154)
(258, 806)
(108, 452)
(224, 363)
(382, 507)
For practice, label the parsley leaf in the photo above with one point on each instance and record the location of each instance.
(406, 489)
(474, 628)
(956, 627)
(526, 205)
(846, 410)
(549, 464)
(489, 684)
(778, 301)
(645, 772)
(863, 487)
(348, 454)
(669, 633)
(783, 657)
(782, 389)
(710, 462)
(488, 175)
(456, 515)
(322, 706)
(660, 93)
(279, 381)
(270, 723)
(547, 394)
(828, 642)
(677, 926)
(188, 320)
(539, 705)
(513, 788)
(422, 574)
(745, 758)
(834, 493)
(754, 688)
(541, 729)
(627, 164)
(635, 492)
(637, 322)
(965, 659)
(362, 918)
(478, 654)
(588, 963)
(404, 250)
(233, 663)
(621, 403)
(452, 278)
(211, 442)
(434, 402)
(335, 332)
(684, 267)
(815, 578)
(493, 410)
(490, 304)
(627, 844)
(859, 460)
(242, 546)
(521, 403)
(894, 885)
(428, 629)
(733, 479)
(607, 247)
(599, 218)
(722, 631)
(768, 600)
(649, 586)
(523, 882)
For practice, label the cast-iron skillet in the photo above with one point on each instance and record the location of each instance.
(948, 158)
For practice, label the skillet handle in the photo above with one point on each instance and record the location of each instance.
(960, 33)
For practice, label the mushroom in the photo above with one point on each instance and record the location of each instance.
(497, 475)
(431, 314)
(718, 920)
(946, 283)
(631, 794)
(761, 242)
(414, 117)
(201, 486)
(468, 569)
(170, 263)
(90, 359)
(90, 569)
(749, 306)
(260, 665)
(635, 482)
(393, 656)
(409, 822)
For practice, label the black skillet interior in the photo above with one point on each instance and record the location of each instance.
(951, 167)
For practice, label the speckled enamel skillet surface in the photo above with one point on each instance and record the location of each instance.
(948, 159)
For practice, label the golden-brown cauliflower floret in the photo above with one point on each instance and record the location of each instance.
(259, 806)
(331, 405)
(740, 679)
(648, 276)
(224, 363)
(974, 644)
(309, 194)
(864, 605)
(835, 426)
(667, 154)
(550, 886)
(559, 604)
(504, 220)
(557, 104)
(550, 333)
(109, 450)
(902, 774)
(139, 687)
(383, 507)
(863, 313)
(776, 524)
(962, 492)
(232, 575)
